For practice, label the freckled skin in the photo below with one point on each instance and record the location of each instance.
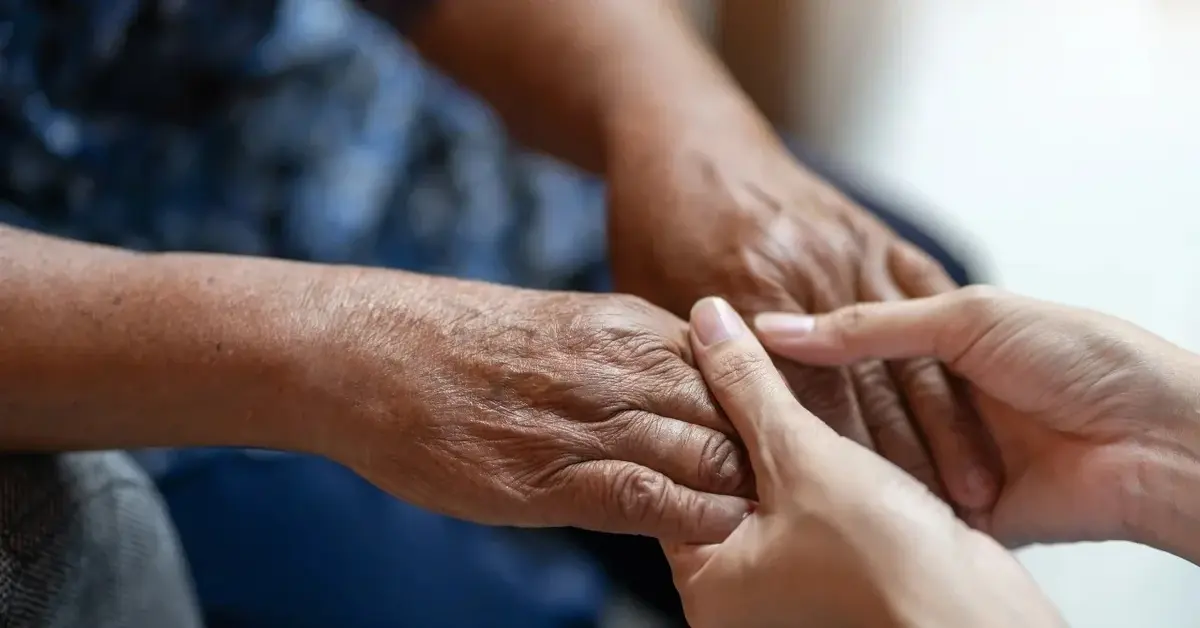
(489, 403)
(704, 200)
(566, 409)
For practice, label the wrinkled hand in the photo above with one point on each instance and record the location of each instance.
(743, 221)
(1089, 412)
(526, 408)
(839, 537)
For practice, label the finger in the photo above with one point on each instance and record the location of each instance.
(830, 394)
(960, 443)
(943, 327)
(693, 456)
(893, 423)
(954, 432)
(751, 391)
(916, 273)
(626, 498)
(681, 392)
(864, 331)
(886, 415)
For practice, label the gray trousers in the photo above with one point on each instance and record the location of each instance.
(85, 540)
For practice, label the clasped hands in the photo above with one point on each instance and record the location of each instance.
(1095, 422)
(534, 408)
(531, 408)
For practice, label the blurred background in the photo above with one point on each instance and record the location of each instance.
(1056, 143)
(1051, 146)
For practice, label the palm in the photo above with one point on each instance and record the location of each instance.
(1058, 482)
(1080, 406)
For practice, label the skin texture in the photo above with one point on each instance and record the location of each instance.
(704, 200)
(489, 403)
(540, 409)
(840, 537)
(1097, 421)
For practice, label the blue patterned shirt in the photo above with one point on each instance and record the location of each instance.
(304, 129)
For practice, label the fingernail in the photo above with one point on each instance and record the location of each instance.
(714, 321)
(780, 324)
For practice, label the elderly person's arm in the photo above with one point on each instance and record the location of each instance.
(104, 348)
(487, 403)
(704, 199)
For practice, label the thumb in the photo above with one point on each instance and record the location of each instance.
(750, 390)
(944, 326)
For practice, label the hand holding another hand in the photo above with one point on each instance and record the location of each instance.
(840, 536)
(729, 212)
(1096, 420)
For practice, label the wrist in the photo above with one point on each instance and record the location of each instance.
(680, 100)
(238, 368)
(708, 120)
(366, 351)
(1164, 507)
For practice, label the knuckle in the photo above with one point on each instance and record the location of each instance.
(923, 267)
(849, 322)
(824, 391)
(640, 495)
(721, 465)
(876, 394)
(924, 381)
(829, 394)
(980, 300)
(631, 349)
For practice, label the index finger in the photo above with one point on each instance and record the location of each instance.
(867, 331)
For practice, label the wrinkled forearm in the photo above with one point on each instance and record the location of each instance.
(573, 77)
(103, 348)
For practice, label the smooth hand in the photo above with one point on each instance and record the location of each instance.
(527, 408)
(840, 537)
(1094, 418)
(739, 218)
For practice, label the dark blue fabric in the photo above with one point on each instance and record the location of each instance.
(292, 128)
(300, 542)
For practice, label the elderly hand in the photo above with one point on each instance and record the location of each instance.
(728, 212)
(526, 408)
(1096, 420)
(840, 536)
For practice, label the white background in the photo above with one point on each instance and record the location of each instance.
(1061, 139)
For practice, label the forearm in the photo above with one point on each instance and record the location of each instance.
(103, 348)
(573, 77)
